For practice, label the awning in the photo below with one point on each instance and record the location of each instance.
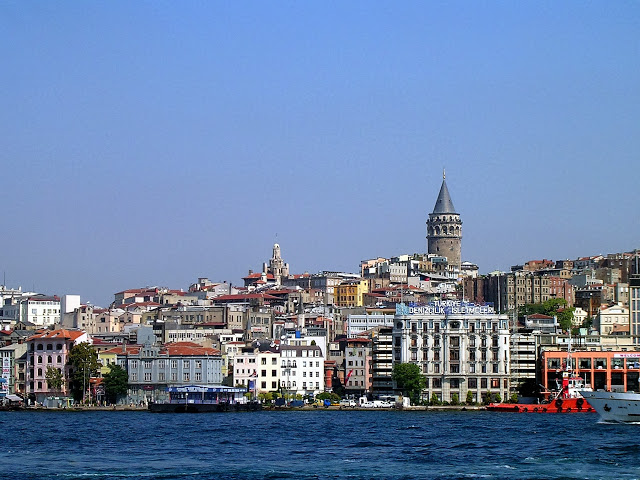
(14, 398)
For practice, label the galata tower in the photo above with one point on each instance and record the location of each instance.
(444, 228)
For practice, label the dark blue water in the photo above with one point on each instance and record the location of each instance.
(314, 445)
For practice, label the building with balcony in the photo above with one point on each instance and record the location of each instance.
(459, 347)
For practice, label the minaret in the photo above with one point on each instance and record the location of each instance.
(444, 228)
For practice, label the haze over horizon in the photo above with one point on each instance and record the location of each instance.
(152, 144)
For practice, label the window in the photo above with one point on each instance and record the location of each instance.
(134, 364)
(49, 359)
(304, 374)
(274, 373)
(134, 376)
(39, 359)
(49, 346)
(147, 376)
(39, 372)
(483, 383)
(185, 376)
(59, 346)
(495, 383)
(161, 377)
(274, 361)
(186, 364)
(263, 373)
(263, 361)
(174, 363)
(174, 377)
(147, 364)
(198, 363)
(161, 364)
(263, 385)
(473, 383)
(273, 385)
(198, 376)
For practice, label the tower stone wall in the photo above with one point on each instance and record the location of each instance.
(444, 229)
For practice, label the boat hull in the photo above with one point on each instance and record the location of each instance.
(615, 406)
(564, 405)
(203, 407)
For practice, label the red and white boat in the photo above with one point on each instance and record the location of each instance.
(568, 398)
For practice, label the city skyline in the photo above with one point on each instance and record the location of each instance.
(153, 144)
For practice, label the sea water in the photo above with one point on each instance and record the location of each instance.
(318, 444)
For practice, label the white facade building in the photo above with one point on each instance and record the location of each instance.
(357, 324)
(302, 369)
(459, 347)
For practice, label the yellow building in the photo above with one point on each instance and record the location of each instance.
(106, 359)
(350, 293)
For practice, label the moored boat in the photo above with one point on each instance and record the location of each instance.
(615, 406)
(568, 398)
(204, 399)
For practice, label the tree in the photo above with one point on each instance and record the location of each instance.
(455, 399)
(116, 383)
(434, 399)
(83, 361)
(514, 398)
(409, 379)
(55, 379)
(554, 307)
(469, 400)
(332, 397)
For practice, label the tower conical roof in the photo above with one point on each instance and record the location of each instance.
(444, 203)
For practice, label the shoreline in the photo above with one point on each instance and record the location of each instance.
(333, 408)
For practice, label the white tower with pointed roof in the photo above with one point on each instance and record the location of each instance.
(444, 228)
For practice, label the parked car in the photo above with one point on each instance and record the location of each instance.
(348, 403)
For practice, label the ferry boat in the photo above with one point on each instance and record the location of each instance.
(615, 406)
(203, 399)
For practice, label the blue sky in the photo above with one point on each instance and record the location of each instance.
(150, 143)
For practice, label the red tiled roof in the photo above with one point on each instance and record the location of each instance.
(129, 349)
(244, 296)
(538, 315)
(60, 333)
(190, 348)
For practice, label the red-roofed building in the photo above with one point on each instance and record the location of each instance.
(50, 348)
(153, 368)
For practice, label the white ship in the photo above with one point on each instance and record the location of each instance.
(615, 406)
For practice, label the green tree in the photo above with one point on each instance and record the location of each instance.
(555, 307)
(83, 361)
(497, 398)
(116, 383)
(434, 399)
(455, 399)
(514, 398)
(409, 379)
(332, 397)
(469, 400)
(55, 379)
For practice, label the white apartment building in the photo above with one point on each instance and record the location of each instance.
(302, 368)
(608, 317)
(41, 310)
(357, 324)
(459, 347)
